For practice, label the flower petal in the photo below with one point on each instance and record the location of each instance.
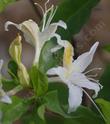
(6, 99)
(56, 71)
(11, 23)
(82, 62)
(30, 30)
(68, 51)
(1, 64)
(49, 32)
(81, 80)
(60, 71)
(68, 56)
(75, 97)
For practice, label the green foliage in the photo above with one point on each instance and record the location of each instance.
(105, 107)
(4, 3)
(75, 13)
(105, 81)
(107, 48)
(14, 111)
(39, 81)
(48, 59)
(54, 106)
(12, 69)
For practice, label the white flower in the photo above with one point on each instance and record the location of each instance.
(3, 96)
(32, 32)
(72, 74)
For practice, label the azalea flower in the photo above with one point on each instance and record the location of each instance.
(73, 75)
(36, 36)
(3, 95)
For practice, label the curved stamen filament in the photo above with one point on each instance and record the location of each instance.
(52, 14)
(97, 81)
(92, 70)
(46, 5)
(40, 8)
(95, 75)
(94, 104)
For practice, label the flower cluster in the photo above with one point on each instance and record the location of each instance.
(72, 72)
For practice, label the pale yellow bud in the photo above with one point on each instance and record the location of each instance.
(15, 50)
(23, 75)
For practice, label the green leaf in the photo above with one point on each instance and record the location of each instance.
(31, 118)
(41, 111)
(39, 81)
(107, 48)
(4, 3)
(14, 111)
(8, 84)
(105, 107)
(75, 13)
(13, 67)
(105, 81)
(54, 106)
(83, 115)
(47, 59)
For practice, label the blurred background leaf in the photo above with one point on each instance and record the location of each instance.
(105, 81)
(4, 3)
(107, 48)
(105, 107)
(14, 111)
(75, 13)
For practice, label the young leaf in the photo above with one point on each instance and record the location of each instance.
(41, 111)
(39, 81)
(105, 107)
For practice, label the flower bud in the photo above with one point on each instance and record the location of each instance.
(23, 75)
(16, 49)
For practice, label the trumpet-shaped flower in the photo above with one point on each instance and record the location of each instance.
(32, 32)
(72, 74)
(3, 96)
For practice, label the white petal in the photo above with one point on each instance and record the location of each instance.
(75, 97)
(61, 42)
(11, 23)
(56, 48)
(81, 80)
(1, 64)
(55, 71)
(49, 32)
(30, 30)
(60, 71)
(6, 99)
(82, 62)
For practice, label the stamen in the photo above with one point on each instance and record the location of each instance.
(46, 4)
(52, 14)
(92, 70)
(94, 104)
(97, 81)
(40, 8)
(95, 75)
